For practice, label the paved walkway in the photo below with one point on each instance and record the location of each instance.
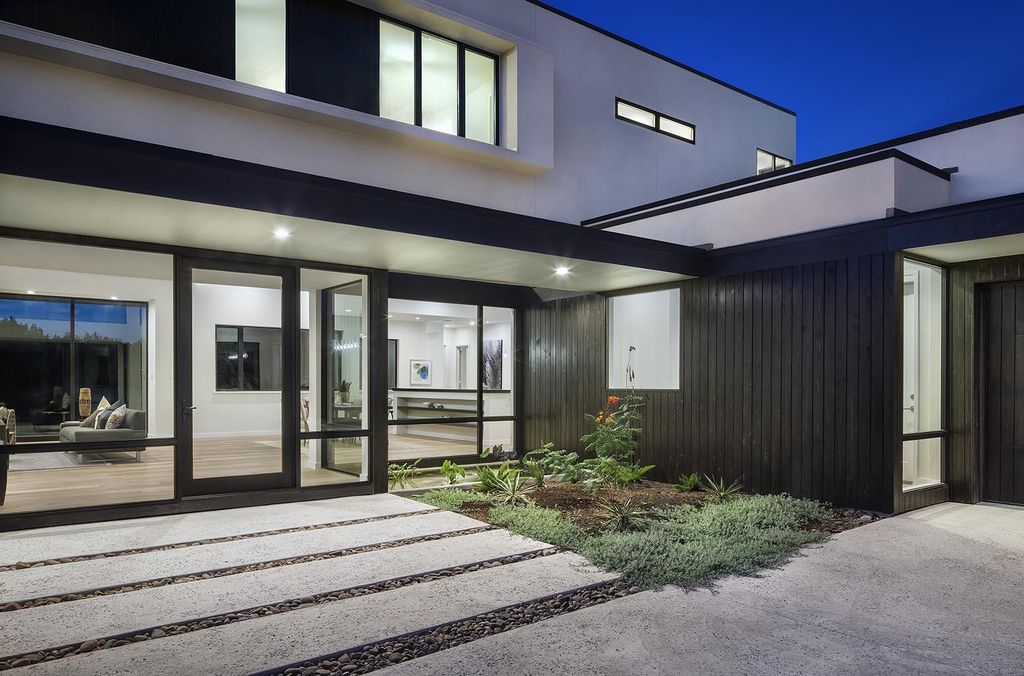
(268, 588)
(937, 591)
(246, 590)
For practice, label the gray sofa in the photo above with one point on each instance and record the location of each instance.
(134, 427)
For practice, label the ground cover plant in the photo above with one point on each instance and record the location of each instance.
(651, 533)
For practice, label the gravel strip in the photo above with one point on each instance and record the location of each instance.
(234, 570)
(195, 543)
(386, 653)
(92, 645)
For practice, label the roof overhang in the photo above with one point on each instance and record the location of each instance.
(72, 182)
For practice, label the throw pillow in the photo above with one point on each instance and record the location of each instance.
(90, 420)
(101, 419)
(103, 404)
(116, 418)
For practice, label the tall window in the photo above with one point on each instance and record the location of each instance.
(643, 340)
(437, 83)
(923, 374)
(260, 43)
(51, 348)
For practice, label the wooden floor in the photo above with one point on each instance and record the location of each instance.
(119, 479)
(122, 480)
(405, 447)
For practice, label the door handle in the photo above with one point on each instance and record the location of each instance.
(905, 408)
(186, 409)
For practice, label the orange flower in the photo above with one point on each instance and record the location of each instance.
(614, 401)
(599, 417)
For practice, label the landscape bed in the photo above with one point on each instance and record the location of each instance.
(654, 533)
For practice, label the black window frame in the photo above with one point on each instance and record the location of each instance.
(479, 419)
(658, 117)
(775, 162)
(72, 342)
(942, 433)
(461, 48)
(303, 343)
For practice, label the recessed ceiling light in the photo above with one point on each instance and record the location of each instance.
(388, 316)
(472, 323)
(31, 292)
(562, 270)
(417, 319)
(347, 310)
(282, 232)
(113, 298)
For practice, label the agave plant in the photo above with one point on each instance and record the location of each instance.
(491, 478)
(718, 490)
(513, 490)
(624, 516)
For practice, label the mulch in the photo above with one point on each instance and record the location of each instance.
(583, 505)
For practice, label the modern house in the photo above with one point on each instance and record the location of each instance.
(282, 243)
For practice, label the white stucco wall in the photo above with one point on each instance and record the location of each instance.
(852, 195)
(990, 158)
(567, 77)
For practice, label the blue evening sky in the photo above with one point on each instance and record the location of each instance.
(855, 72)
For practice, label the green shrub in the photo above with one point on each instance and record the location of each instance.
(688, 482)
(491, 479)
(689, 547)
(546, 461)
(452, 472)
(617, 429)
(539, 523)
(402, 475)
(451, 499)
(602, 471)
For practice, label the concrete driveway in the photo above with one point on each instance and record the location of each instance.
(937, 591)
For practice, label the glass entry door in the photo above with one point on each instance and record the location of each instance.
(237, 377)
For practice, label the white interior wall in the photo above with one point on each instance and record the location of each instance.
(233, 413)
(650, 323)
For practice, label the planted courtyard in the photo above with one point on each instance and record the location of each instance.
(604, 508)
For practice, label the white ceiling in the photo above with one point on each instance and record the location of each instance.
(61, 207)
(990, 247)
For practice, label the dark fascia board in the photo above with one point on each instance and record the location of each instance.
(599, 221)
(48, 152)
(759, 183)
(982, 219)
(426, 287)
(657, 55)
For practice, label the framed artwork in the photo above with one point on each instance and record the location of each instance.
(493, 356)
(420, 373)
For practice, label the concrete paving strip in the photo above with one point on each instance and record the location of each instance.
(78, 621)
(109, 536)
(935, 591)
(254, 645)
(85, 575)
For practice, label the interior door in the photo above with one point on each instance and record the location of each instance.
(237, 383)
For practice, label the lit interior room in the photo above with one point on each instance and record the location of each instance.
(444, 359)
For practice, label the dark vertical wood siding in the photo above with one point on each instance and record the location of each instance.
(196, 34)
(786, 380)
(968, 384)
(333, 53)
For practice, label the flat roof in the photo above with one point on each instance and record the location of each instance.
(642, 211)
